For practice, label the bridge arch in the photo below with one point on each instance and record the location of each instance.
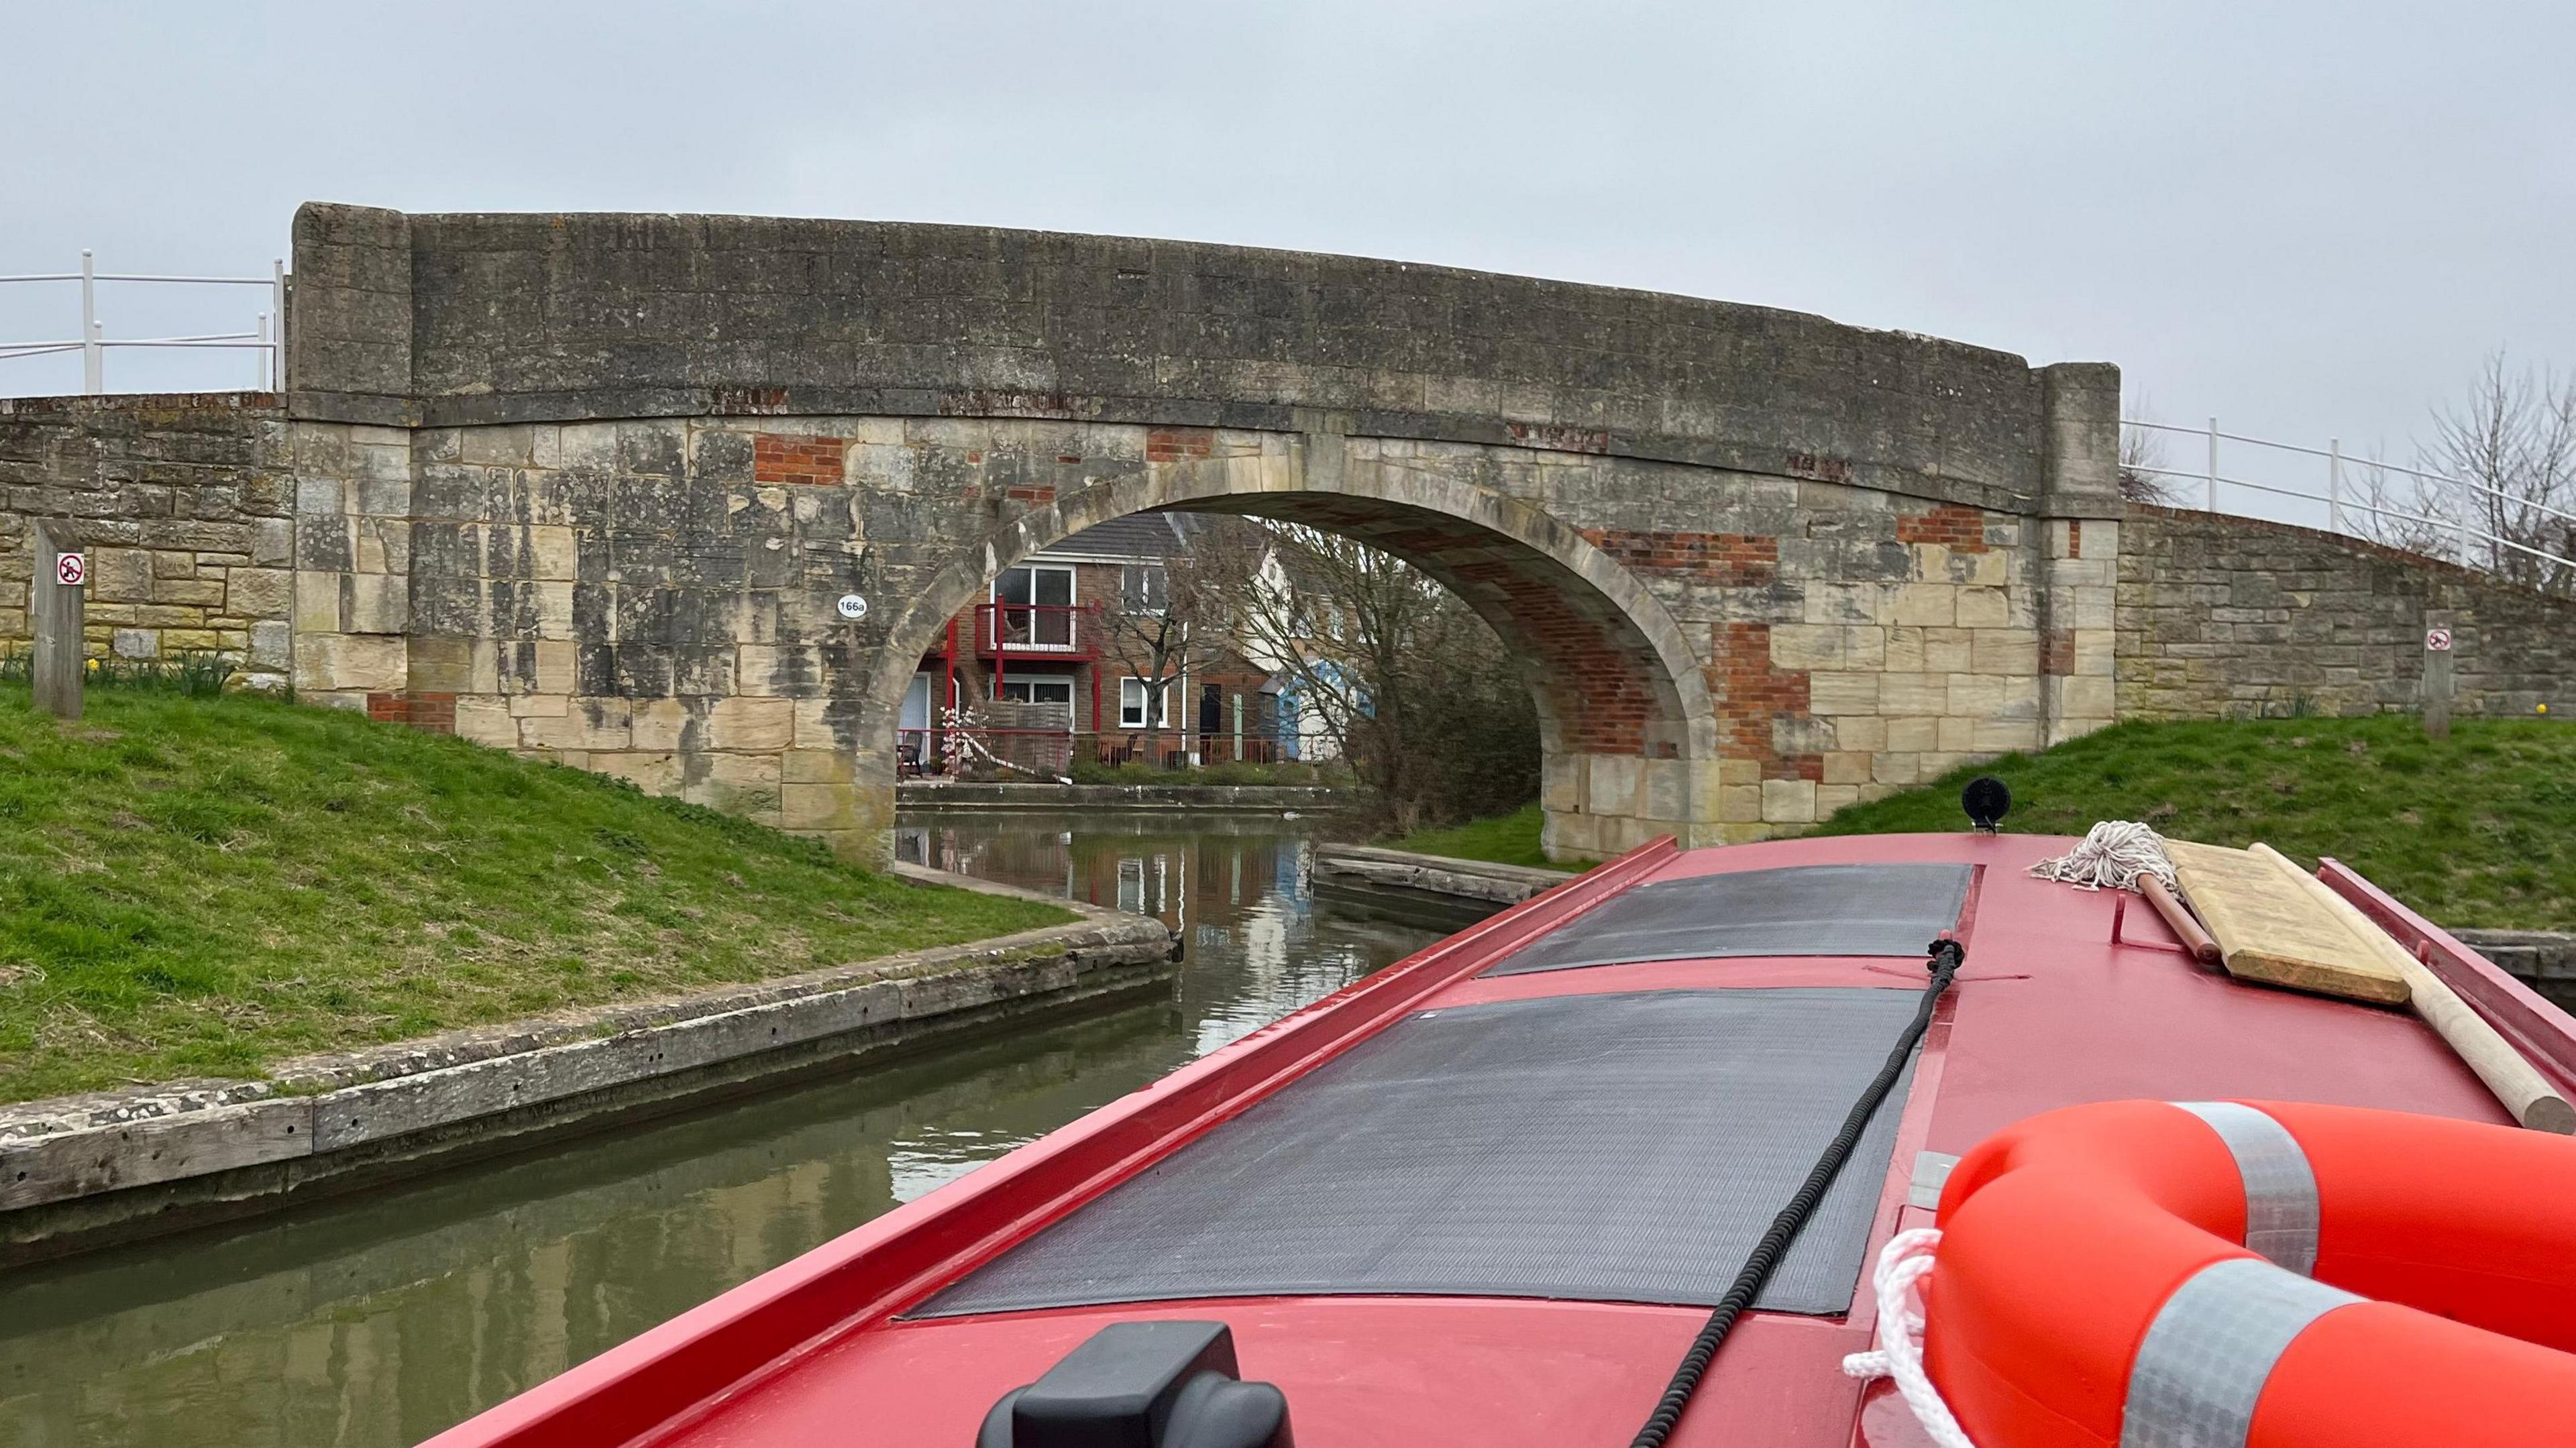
(1625, 717)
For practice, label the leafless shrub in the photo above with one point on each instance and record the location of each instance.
(2504, 458)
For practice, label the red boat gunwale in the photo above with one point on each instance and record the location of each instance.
(2538, 1029)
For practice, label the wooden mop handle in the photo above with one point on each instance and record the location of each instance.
(2186, 926)
(2515, 1082)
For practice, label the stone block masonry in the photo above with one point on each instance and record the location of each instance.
(2230, 618)
(185, 505)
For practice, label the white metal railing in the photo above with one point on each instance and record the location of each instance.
(2340, 499)
(267, 339)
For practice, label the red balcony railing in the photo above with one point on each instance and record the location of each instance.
(1037, 630)
(1049, 752)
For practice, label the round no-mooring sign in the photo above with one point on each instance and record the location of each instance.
(71, 570)
(2437, 640)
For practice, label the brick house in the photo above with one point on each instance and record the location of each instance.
(1062, 645)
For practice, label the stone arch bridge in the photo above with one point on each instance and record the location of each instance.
(590, 486)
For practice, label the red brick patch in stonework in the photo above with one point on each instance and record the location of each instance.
(1603, 694)
(1032, 495)
(2057, 655)
(433, 713)
(1962, 529)
(1751, 694)
(429, 713)
(1171, 444)
(1737, 560)
(2075, 538)
(779, 457)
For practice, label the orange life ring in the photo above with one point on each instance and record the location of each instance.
(2147, 1274)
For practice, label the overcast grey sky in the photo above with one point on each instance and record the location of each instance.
(2307, 218)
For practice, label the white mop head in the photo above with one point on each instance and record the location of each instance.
(2115, 853)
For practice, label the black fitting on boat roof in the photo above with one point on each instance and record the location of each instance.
(1142, 1385)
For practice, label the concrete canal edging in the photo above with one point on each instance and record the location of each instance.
(88, 1171)
(970, 794)
(1376, 868)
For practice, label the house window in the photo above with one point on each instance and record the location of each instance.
(1033, 607)
(1144, 588)
(1037, 691)
(1133, 695)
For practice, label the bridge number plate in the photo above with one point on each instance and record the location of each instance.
(2437, 640)
(71, 570)
(852, 607)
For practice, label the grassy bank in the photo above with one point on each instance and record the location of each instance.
(1510, 839)
(193, 886)
(2479, 829)
(2476, 830)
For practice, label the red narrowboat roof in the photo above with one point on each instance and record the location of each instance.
(2048, 1011)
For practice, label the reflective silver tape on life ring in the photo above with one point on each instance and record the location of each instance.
(2280, 1190)
(2205, 1359)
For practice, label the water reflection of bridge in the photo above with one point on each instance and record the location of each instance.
(1202, 870)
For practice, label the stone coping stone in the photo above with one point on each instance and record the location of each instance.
(63, 1149)
(1378, 867)
(923, 794)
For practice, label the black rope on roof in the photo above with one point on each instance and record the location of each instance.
(1946, 955)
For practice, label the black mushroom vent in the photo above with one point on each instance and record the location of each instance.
(1142, 1385)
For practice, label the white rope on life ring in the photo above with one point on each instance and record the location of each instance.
(1897, 1280)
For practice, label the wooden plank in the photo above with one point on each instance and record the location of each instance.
(114, 1155)
(2521, 1089)
(2270, 930)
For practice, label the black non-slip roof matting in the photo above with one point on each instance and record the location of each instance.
(1608, 1147)
(1801, 910)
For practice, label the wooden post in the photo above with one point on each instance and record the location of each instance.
(2437, 683)
(55, 610)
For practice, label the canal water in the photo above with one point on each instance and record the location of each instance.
(379, 1321)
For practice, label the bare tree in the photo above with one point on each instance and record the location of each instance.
(2142, 461)
(1412, 689)
(2504, 459)
(2394, 507)
(2513, 439)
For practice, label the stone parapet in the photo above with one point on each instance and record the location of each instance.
(469, 320)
